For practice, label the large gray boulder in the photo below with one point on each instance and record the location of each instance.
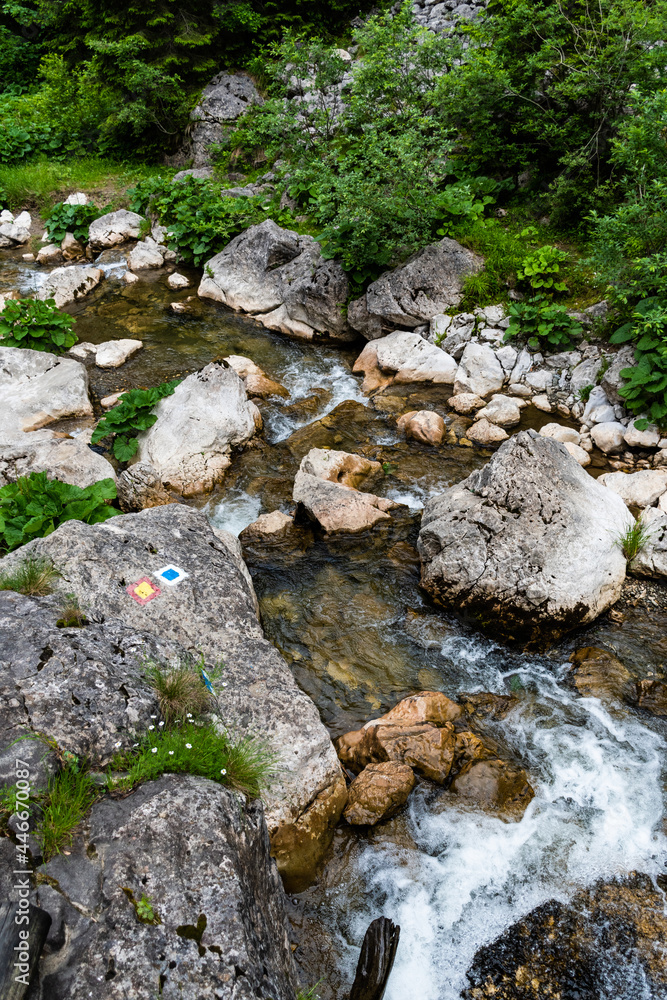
(211, 612)
(651, 560)
(69, 284)
(530, 541)
(227, 96)
(68, 459)
(200, 854)
(114, 228)
(282, 280)
(38, 388)
(191, 442)
(431, 282)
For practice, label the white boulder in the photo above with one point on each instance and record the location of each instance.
(177, 280)
(114, 228)
(326, 488)
(191, 442)
(479, 371)
(38, 388)
(403, 357)
(638, 489)
(561, 433)
(505, 411)
(608, 436)
(69, 284)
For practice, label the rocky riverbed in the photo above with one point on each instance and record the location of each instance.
(421, 508)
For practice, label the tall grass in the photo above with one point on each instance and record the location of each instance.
(633, 540)
(246, 764)
(41, 183)
(34, 577)
(70, 795)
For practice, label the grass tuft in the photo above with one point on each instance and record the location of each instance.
(633, 540)
(34, 577)
(71, 615)
(204, 751)
(70, 795)
(179, 688)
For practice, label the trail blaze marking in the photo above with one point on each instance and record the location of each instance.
(171, 575)
(143, 590)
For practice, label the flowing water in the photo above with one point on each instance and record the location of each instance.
(359, 634)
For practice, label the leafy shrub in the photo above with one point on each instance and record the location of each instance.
(34, 506)
(33, 577)
(129, 416)
(199, 222)
(543, 324)
(205, 751)
(645, 387)
(37, 325)
(74, 219)
(540, 270)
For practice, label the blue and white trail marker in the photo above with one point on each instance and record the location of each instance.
(171, 575)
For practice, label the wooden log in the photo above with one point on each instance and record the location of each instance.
(20, 948)
(376, 960)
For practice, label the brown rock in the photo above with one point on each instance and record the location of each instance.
(425, 748)
(466, 402)
(484, 432)
(299, 847)
(598, 674)
(469, 748)
(325, 487)
(423, 425)
(495, 787)
(485, 705)
(257, 383)
(652, 696)
(425, 706)
(139, 487)
(378, 792)
(566, 950)
(350, 751)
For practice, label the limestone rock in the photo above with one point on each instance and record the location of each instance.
(638, 489)
(177, 280)
(412, 294)
(210, 612)
(69, 284)
(610, 933)
(140, 487)
(68, 459)
(578, 453)
(50, 254)
(282, 280)
(190, 444)
(222, 101)
(76, 198)
(466, 402)
(403, 357)
(504, 411)
(38, 388)
(326, 488)
(257, 382)
(495, 787)
(651, 560)
(485, 433)
(543, 403)
(608, 436)
(559, 432)
(298, 847)
(598, 409)
(71, 247)
(528, 541)
(378, 793)
(16, 232)
(114, 228)
(479, 371)
(423, 425)
(200, 853)
(199, 173)
(642, 439)
(114, 353)
(146, 256)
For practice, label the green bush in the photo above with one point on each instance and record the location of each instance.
(645, 387)
(543, 324)
(37, 325)
(540, 270)
(74, 219)
(199, 222)
(131, 415)
(70, 795)
(34, 506)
